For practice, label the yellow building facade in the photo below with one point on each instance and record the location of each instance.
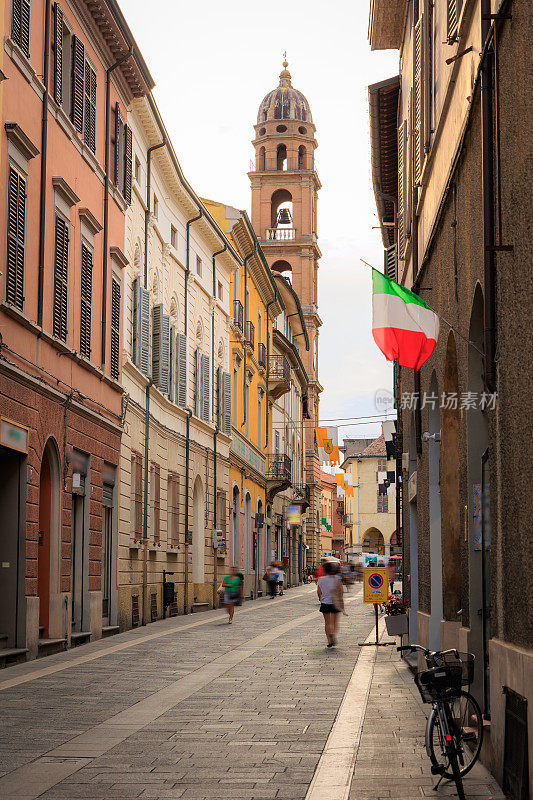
(255, 305)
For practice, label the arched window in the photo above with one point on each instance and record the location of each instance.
(261, 160)
(281, 157)
(281, 198)
(283, 268)
(302, 157)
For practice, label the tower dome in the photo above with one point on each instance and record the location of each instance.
(284, 102)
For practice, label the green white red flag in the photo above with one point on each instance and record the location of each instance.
(404, 326)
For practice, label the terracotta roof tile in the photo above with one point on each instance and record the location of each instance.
(375, 450)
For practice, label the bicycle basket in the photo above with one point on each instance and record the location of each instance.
(456, 659)
(446, 679)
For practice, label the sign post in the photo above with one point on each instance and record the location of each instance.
(375, 590)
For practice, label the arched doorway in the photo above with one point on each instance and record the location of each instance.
(259, 563)
(198, 536)
(451, 520)
(48, 544)
(236, 528)
(373, 542)
(435, 537)
(478, 507)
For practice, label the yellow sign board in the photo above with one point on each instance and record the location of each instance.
(375, 584)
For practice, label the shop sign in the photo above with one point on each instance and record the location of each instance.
(13, 435)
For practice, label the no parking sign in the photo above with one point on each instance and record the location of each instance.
(375, 584)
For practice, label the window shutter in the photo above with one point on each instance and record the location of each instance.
(418, 134)
(115, 329)
(20, 25)
(390, 262)
(220, 396)
(161, 349)
(157, 502)
(226, 380)
(86, 300)
(401, 188)
(138, 484)
(454, 11)
(172, 505)
(172, 366)
(90, 107)
(78, 81)
(141, 327)
(181, 354)
(197, 383)
(58, 54)
(205, 387)
(60, 310)
(128, 160)
(16, 238)
(427, 72)
(119, 155)
(223, 517)
(408, 165)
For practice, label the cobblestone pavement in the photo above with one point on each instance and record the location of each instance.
(194, 708)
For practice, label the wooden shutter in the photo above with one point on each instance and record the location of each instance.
(90, 107)
(453, 12)
(128, 160)
(197, 382)
(78, 83)
(60, 308)
(161, 349)
(119, 141)
(58, 54)
(20, 25)
(181, 354)
(390, 262)
(226, 381)
(427, 72)
(172, 365)
(156, 472)
(141, 327)
(136, 484)
(205, 387)
(401, 188)
(16, 238)
(219, 398)
(418, 107)
(173, 508)
(115, 329)
(223, 520)
(86, 300)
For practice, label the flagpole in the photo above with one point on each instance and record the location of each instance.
(438, 315)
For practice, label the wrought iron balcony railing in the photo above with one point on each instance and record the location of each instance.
(261, 354)
(279, 467)
(301, 491)
(249, 333)
(279, 368)
(238, 314)
(348, 519)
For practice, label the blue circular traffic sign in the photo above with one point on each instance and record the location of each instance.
(376, 580)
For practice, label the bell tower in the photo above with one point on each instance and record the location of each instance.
(285, 188)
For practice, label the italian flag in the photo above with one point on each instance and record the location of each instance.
(403, 325)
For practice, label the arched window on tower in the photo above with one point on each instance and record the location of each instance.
(281, 158)
(261, 160)
(302, 157)
(281, 219)
(283, 268)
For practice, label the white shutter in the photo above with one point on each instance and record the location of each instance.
(161, 349)
(197, 383)
(401, 189)
(408, 165)
(418, 108)
(181, 369)
(172, 366)
(453, 14)
(226, 403)
(205, 387)
(220, 398)
(141, 327)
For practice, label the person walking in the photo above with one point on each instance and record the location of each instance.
(232, 585)
(272, 572)
(392, 575)
(329, 590)
(281, 580)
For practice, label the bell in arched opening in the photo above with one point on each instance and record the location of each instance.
(284, 217)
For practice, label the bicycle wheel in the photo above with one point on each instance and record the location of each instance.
(467, 723)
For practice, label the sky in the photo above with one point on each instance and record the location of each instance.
(212, 63)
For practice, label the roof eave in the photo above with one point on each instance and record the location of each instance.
(383, 169)
(386, 24)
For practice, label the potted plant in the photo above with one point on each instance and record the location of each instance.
(396, 619)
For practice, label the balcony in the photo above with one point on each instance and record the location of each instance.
(249, 334)
(279, 470)
(301, 495)
(280, 234)
(261, 355)
(279, 376)
(238, 315)
(348, 520)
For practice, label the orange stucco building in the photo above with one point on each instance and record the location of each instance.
(66, 161)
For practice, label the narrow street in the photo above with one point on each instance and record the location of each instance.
(191, 707)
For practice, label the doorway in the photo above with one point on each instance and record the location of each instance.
(12, 546)
(198, 543)
(77, 563)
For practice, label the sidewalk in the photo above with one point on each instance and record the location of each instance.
(391, 761)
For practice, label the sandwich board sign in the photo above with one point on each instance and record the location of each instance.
(375, 584)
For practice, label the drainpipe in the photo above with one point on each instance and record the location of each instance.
(106, 198)
(247, 258)
(487, 159)
(270, 302)
(215, 581)
(218, 252)
(145, 501)
(414, 246)
(148, 206)
(44, 153)
(187, 452)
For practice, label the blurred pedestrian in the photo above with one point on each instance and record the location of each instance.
(392, 575)
(233, 588)
(329, 590)
(281, 580)
(272, 572)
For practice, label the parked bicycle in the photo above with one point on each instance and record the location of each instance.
(454, 730)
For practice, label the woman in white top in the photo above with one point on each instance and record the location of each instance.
(281, 579)
(329, 590)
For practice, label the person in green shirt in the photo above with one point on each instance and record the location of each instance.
(232, 584)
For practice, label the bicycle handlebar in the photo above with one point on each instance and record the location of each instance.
(412, 647)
